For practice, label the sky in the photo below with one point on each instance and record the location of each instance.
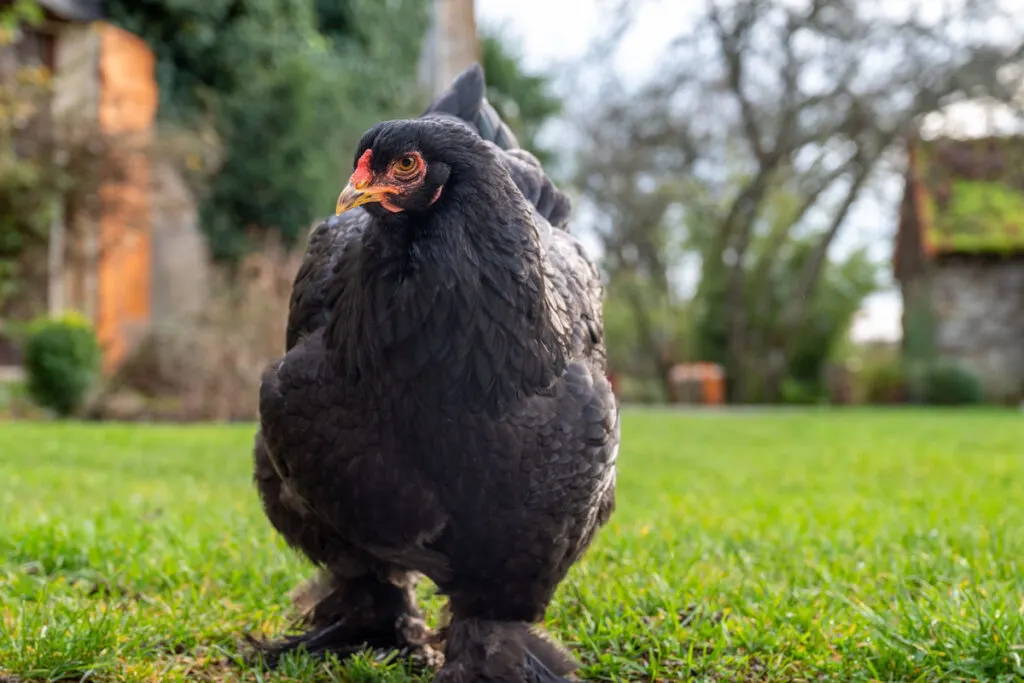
(554, 33)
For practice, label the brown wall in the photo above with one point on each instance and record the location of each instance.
(127, 110)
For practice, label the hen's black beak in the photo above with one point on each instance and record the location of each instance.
(359, 194)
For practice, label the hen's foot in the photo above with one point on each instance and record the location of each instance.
(484, 651)
(348, 616)
(410, 639)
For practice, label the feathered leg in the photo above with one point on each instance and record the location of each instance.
(488, 651)
(356, 603)
(345, 617)
(493, 638)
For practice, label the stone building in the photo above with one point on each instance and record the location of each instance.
(139, 257)
(959, 258)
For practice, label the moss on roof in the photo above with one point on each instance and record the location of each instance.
(972, 194)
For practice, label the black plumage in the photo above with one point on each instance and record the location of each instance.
(442, 407)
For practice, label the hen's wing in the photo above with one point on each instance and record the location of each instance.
(573, 467)
(574, 293)
(323, 444)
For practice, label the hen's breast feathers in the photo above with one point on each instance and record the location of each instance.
(329, 241)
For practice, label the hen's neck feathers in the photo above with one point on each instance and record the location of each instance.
(451, 303)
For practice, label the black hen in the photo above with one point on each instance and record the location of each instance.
(442, 408)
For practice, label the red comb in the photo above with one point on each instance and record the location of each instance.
(362, 175)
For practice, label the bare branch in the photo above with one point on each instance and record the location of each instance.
(733, 45)
(798, 303)
(763, 107)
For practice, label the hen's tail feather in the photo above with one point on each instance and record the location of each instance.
(491, 127)
(528, 175)
(466, 99)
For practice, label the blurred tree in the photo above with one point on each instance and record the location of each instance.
(28, 194)
(783, 359)
(291, 84)
(523, 100)
(645, 339)
(639, 214)
(761, 129)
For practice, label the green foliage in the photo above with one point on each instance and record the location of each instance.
(62, 360)
(14, 14)
(633, 335)
(772, 271)
(974, 193)
(29, 201)
(293, 181)
(988, 216)
(49, 161)
(524, 100)
(291, 84)
(30, 184)
(885, 382)
(919, 328)
(801, 392)
(947, 383)
(843, 288)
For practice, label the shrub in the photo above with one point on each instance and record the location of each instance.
(207, 367)
(62, 360)
(798, 392)
(885, 382)
(946, 383)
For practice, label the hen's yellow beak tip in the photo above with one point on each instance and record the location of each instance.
(357, 195)
(349, 198)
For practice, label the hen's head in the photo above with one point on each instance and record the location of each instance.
(405, 165)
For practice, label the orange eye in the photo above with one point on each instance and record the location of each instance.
(406, 167)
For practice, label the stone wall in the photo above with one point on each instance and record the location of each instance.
(181, 271)
(979, 319)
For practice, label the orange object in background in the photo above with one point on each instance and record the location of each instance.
(702, 383)
(127, 110)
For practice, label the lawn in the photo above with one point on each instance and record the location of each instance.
(773, 546)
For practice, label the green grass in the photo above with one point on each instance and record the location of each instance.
(844, 546)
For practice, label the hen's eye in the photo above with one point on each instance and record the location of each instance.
(407, 168)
